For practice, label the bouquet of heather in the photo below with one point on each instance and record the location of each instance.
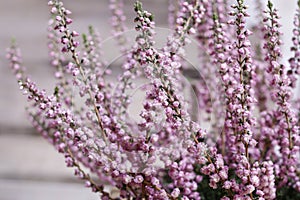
(241, 89)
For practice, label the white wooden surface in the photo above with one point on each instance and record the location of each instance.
(39, 190)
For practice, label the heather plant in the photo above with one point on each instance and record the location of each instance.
(240, 86)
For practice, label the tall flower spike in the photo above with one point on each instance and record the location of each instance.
(242, 98)
(118, 23)
(70, 44)
(288, 131)
(261, 88)
(50, 118)
(15, 57)
(58, 61)
(211, 36)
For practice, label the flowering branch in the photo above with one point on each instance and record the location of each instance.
(281, 94)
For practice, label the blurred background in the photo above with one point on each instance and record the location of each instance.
(30, 168)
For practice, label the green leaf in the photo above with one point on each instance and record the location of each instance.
(56, 91)
(91, 30)
(215, 16)
(270, 5)
(151, 18)
(138, 6)
(84, 37)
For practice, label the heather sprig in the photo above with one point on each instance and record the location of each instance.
(70, 44)
(240, 119)
(261, 76)
(288, 131)
(50, 120)
(59, 62)
(118, 22)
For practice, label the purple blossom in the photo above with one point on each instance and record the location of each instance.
(168, 153)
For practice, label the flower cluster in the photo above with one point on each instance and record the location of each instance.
(252, 150)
